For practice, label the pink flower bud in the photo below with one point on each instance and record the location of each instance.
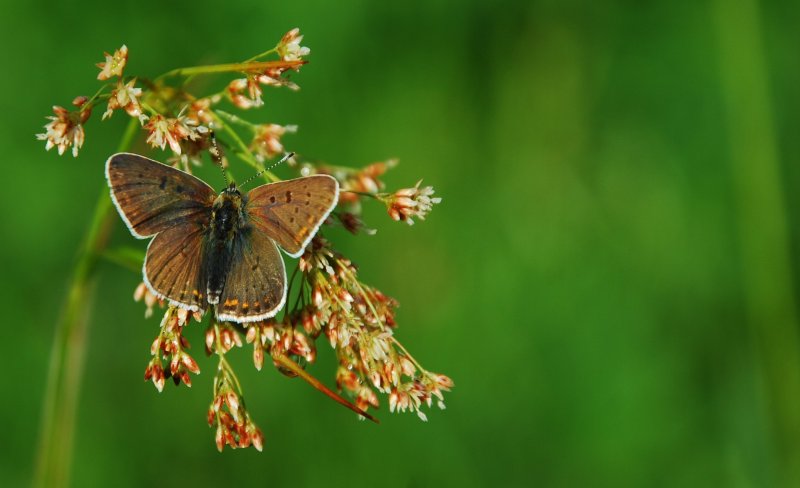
(219, 439)
(252, 334)
(210, 339)
(233, 403)
(190, 363)
(258, 357)
(258, 439)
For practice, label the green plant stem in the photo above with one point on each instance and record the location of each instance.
(237, 120)
(768, 287)
(263, 55)
(232, 67)
(66, 357)
(244, 152)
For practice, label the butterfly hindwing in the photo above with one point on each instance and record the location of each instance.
(255, 287)
(173, 266)
(290, 212)
(152, 197)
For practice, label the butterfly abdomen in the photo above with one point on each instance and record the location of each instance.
(217, 264)
(226, 220)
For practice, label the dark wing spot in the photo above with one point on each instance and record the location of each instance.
(272, 199)
(308, 194)
(179, 189)
(288, 197)
(296, 209)
(291, 220)
(163, 183)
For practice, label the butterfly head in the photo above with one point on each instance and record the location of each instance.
(231, 189)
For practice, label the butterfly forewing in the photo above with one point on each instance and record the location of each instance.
(255, 288)
(173, 266)
(152, 197)
(290, 212)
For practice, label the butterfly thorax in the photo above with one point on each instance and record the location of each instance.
(227, 214)
(227, 220)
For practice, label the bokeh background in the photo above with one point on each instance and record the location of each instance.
(611, 279)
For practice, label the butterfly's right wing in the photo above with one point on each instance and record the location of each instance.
(255, 288)
(291, 211)
(173, 267)
(152, 197)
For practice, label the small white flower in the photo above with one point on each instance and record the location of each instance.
(411, 202)
(267, 140)
(126, 96)
(237, 86)
(114, 64)
(290, 49)
(65, 129)
(165, 131)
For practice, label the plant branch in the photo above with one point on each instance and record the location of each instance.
(256, 66)
(296, 369)
(244, 153)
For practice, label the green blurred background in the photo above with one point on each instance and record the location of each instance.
(610, 279)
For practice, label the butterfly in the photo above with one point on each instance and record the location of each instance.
(217, 249)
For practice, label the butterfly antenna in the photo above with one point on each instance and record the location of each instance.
(283, 159)
(216, 155)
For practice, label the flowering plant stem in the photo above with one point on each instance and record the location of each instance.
(231, 67)
(66, 357)
(296, 369)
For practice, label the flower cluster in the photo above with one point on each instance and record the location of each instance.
(326, 300)
(65, 129)
(410, 202)
(279, 339)
(357, 182)
(125, 96)
(267, 140)
(144, 293)
(359, 323)
(234, 426)
(245, 93)
(171, 345)
(172, 131)
(174, 117)
(221, 338)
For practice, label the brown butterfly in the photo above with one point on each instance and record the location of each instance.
(217, 249)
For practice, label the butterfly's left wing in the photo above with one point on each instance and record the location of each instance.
(290, 212)
(156, 199)
(255, 287)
